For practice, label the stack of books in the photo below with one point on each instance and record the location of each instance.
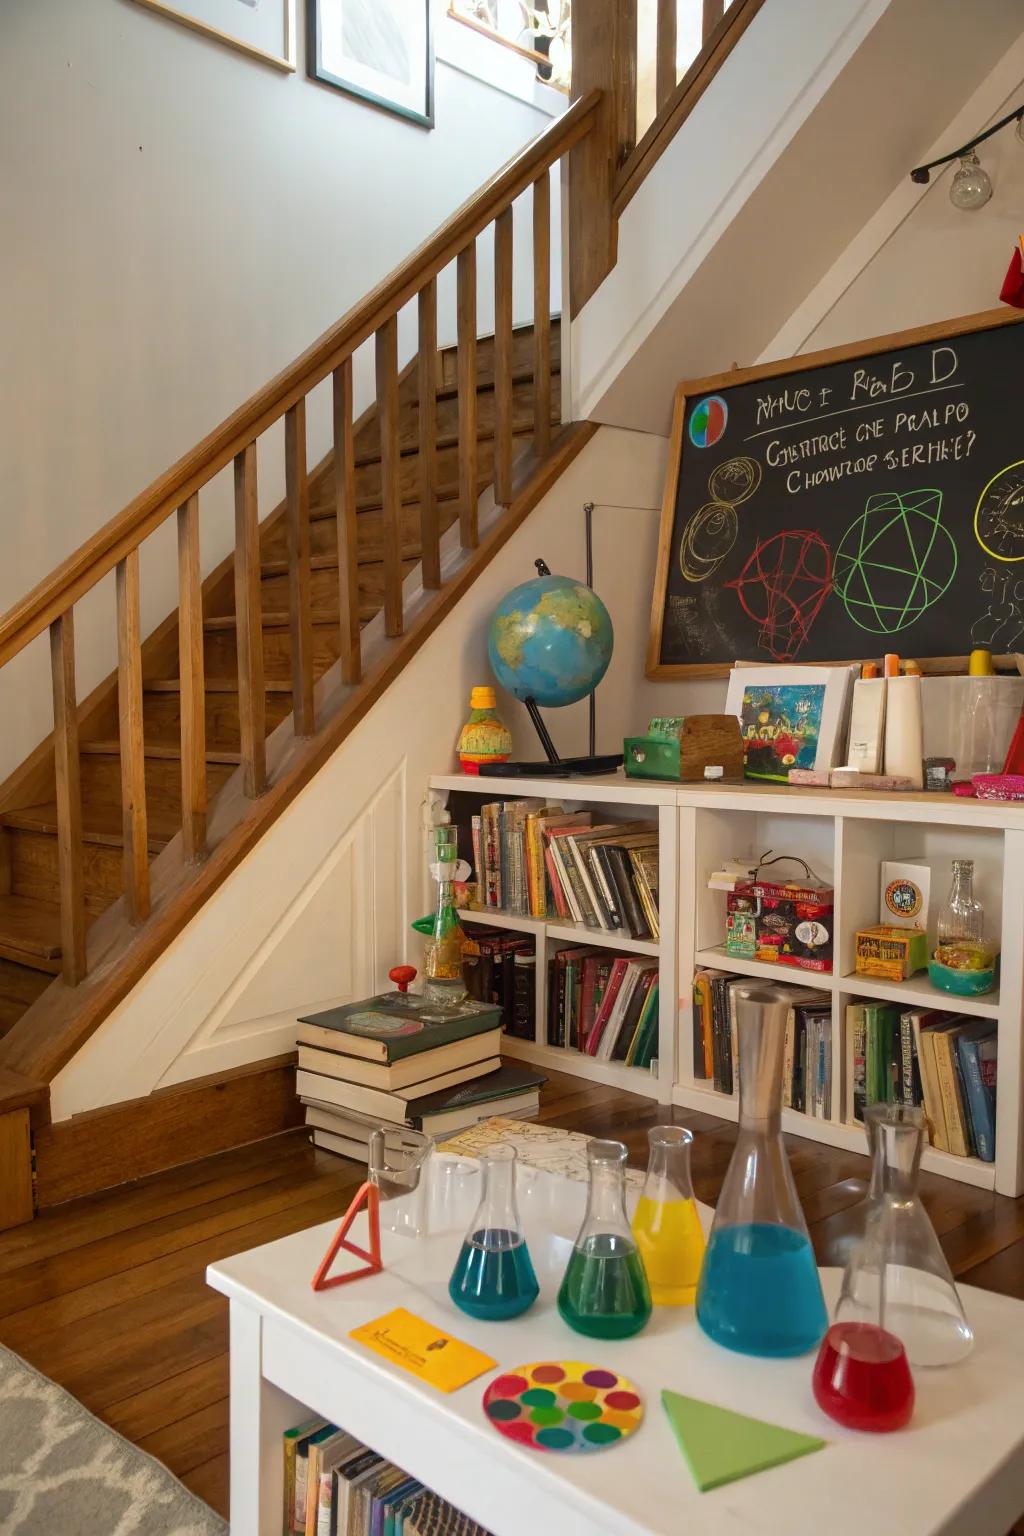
(603, 1004)
(336, 1486)
(942, 1061)
(535, 860)
(397, 1062)
(807, 1059)
(505, 974)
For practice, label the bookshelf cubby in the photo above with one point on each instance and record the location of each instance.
(843, 835)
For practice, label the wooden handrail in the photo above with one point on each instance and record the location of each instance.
(99, 555)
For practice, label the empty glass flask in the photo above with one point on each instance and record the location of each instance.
(604, 1292)
(493, 1278)
(759, 1290)
(666, 1224)
(897, 1277)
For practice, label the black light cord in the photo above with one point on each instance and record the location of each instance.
(920, 172)
(589, 508)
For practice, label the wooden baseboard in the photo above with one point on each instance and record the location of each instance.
(15, 1169)
(106, 1147)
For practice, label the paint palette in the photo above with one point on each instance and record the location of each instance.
(563, 1405)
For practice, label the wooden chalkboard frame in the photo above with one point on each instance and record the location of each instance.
(658, 671)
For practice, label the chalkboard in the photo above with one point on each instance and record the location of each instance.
(840, 505)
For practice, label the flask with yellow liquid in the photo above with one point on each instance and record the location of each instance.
(666, 1224)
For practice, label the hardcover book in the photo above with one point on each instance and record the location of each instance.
(385, 1029)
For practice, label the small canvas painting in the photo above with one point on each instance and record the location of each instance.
(780, 725)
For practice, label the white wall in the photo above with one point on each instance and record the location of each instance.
(179, 222)
(321, 908)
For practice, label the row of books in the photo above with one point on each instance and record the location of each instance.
(336, 1486)
(604, 1005)
(942, 1061)
(505, 974)
(807, 1056)
(397, 1061)
(535, 860)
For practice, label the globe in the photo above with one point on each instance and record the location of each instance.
(550, 639)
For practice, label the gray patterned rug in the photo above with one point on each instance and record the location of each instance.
(62, 1471)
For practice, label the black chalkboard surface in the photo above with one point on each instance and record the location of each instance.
(846, 503)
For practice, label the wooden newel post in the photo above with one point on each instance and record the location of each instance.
(603, 58)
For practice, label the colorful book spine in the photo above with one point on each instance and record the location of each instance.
(978, 1100)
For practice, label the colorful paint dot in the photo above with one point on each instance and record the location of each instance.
(601, 1434)
(522, 1432)
(622, 1400)
(546, 1416)
(555, 1439)
(584, 1411)
(538, 1397)
(508, 1386)
(597, 1378)
(502, 1410)
(576, 1392)
(623, 1421)
(548, 1373)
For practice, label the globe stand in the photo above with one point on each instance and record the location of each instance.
(553, 764)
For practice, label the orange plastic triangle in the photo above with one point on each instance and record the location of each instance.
(368, 1195)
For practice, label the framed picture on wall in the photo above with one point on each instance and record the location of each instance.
(381, 51)
(264, 29)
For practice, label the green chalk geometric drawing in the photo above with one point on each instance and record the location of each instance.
(894, 561)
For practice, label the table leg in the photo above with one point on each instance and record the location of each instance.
(260, 1414)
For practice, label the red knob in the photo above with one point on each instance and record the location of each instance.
(402, 975)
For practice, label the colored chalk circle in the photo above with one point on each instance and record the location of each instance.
(580, 1407)
(707, 421)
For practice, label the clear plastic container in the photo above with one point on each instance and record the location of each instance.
(759, 1291)
(666, 1224)
(493, 1278)
(604, 1293)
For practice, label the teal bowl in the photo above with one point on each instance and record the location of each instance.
(962, 983)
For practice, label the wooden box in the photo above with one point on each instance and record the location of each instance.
(893, 953)
(687, 749)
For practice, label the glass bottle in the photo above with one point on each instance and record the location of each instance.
(759, 1290)
(493, 1278)
(443, 981)
(960, 940)
(604, 1292)
(898, 1278)
(666, 1224)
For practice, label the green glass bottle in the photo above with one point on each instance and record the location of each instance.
(443, 981)
(604, 1293)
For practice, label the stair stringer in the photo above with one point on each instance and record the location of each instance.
(227, 990)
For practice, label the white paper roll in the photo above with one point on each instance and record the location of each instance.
(904, 729)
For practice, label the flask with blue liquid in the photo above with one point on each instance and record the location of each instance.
(493, 1278)
(759, 1291)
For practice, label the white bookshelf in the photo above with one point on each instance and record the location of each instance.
(623, 801)
(843, 835)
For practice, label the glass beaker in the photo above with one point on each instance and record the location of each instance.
(759, 1290)
(400, 1182)
(604, 1292)
(666, 1225)
(898, 1277)
(493, 1278)
(443, 981)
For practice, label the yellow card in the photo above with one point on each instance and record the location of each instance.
(424, 1351)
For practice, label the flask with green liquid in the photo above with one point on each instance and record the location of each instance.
(604, 1293)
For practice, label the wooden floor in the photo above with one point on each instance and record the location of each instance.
(107, 1295)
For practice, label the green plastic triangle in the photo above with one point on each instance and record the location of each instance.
(721, 1446)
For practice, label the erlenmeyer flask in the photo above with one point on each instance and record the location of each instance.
(759, 1291)
(898, 1277)
(493, 1278)
(604, 1292)
(666, 1225)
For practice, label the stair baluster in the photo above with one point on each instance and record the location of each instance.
(430, 545)
(541, 197)
(299, 573)
(249, 626)
(665, 64)
(466, 305)
(133, 756)
(69, 798)
(503, 358)
(347, 527)
(390, 470)
(191, 684)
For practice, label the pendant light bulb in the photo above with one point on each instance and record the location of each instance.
(971, 187)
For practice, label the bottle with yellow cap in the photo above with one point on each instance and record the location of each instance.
(483, 738)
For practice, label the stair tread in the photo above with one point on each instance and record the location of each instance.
(273, 620)
(100, 823)
(213, 685)
(31, 927)
(161, 749)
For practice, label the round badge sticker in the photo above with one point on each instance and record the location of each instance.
(903, 898)
(708, 420)
(563, 1405)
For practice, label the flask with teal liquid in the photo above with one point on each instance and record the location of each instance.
(493, 1278)
(759, 1291)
